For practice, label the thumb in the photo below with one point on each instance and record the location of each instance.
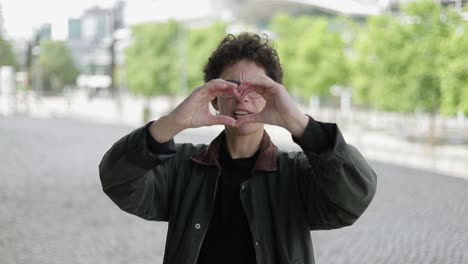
(222, 120)
(252, 118)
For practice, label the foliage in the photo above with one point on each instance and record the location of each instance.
(381, 61)
(153, 63)
(201, 43)
(7, 56)
(411, 62)
(56, 66)
(312, 54)
(454, 77)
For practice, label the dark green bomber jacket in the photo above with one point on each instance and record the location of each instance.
(327, 185)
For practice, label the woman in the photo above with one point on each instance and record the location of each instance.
(239, 199)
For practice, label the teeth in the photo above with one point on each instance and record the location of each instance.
(241, 112)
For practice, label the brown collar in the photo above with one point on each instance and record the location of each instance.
(266, 160)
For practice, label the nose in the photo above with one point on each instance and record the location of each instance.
(245, 99)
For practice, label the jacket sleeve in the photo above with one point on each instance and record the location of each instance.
(137, 174)
(335, 181)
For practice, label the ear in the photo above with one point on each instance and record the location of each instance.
(214, 103)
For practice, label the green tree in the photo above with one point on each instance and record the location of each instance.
(454, 76)
(288, 31)
(400, 62)
(153, 61)
(7, 56)
(382, 57)
(323, 62)
(56, 66)
(312, 54)
(201, 43)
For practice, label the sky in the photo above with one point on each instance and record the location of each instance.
(21, 16)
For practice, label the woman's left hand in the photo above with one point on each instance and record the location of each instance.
(280, 108)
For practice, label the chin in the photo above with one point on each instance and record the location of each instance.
(246, 129)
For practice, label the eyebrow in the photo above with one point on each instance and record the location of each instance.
(234, 81)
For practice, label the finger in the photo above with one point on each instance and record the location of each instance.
(223, 83)
(269, 86)
(253, 118)
(219, 89)
(259, 80)
(222, 120)
(246, 89)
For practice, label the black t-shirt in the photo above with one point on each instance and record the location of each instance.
(228, 239)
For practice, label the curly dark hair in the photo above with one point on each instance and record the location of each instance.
(233, 49)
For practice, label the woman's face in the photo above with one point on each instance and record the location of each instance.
(231, 106)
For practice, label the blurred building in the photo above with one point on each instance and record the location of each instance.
(252, 11)
(90, 37)
(260, 10)
(394, 6)
(458, 4)
(74, 29)
(95, 25)
(44, 32)
(91, 40)
(85, 37)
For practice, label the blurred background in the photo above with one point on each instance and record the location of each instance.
(77, 76)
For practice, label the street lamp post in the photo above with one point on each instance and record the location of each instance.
(37, 72)
(111, 70)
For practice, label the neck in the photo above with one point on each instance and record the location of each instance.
(243, 146)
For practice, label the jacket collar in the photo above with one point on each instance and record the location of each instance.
(266, 160)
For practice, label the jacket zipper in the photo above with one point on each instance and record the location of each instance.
(211, 216)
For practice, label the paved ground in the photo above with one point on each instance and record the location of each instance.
(52, 209)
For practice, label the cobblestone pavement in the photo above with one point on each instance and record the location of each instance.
(53, 210)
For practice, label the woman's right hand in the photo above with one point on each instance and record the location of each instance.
(194, 111)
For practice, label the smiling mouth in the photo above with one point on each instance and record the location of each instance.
(238, 114)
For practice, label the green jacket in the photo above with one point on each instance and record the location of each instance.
(327, 185)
